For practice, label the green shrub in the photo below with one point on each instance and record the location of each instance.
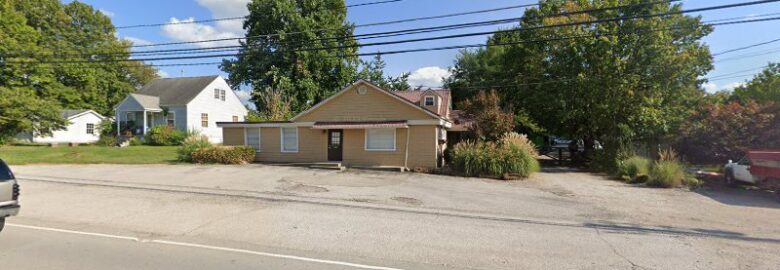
(629, 169)
(165, 135)
(135, 141)
(500, 160)
(224, 155)
(106, 140)
(191, 144)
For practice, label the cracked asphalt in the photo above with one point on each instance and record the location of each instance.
(558, 219)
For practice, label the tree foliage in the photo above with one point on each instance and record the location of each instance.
(40, 30)
(725, 131)
(490, 121)
(293, 53)
(616, 82)
(374, 71)
(763, 87)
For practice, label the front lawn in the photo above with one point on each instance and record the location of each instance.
(18, 155)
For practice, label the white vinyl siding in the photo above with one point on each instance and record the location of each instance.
(289, 139)
(252, 138)
(380, 139)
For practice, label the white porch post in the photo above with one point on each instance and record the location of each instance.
(144, 128)
(118, 132)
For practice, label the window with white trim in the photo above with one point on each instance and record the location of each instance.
(91, 128)
(252, 138)
(222, 94)
(430, 101)
(170, 119)
(130, 116)
(380, 139)
(204, 120)
(216, 93)
(289, 139)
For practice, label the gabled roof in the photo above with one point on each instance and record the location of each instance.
(415, 96)
(69, 114)
(146, 101)
(380, 89)
(176, 91)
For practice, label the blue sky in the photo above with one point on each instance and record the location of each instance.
(426, 67)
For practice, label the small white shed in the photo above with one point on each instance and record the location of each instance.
(83, 127)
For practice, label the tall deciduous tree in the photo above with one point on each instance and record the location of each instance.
(763, 87)
(285, 38)
(41, 30)
(374, 71)
(616, 82)
(21, 110)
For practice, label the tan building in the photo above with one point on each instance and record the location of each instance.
(363, 125)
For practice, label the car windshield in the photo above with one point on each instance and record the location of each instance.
(5, 172)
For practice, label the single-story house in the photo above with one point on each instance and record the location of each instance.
(188, 103)
(83, 127)
(361, 125)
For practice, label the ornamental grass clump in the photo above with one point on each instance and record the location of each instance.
(668, 171)
(634, 169)
(512, 156)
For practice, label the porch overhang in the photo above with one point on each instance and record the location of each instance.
(360, 124)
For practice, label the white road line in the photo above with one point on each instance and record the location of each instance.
(182, 244)
(74, 232)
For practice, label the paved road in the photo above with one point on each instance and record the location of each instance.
(37, 248)
(173, 227)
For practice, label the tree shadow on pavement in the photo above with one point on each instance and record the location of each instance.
(742, 195)
(693, 232)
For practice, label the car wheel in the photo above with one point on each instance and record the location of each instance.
(728, 178)
(2, 224)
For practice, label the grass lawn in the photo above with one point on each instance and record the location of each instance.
(18, 155)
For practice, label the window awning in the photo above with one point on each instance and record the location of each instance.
(360, 124)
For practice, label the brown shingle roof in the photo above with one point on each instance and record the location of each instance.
(416, 95)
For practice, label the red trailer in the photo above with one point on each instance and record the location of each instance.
(765, 167)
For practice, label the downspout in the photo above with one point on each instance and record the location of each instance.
(406, 150)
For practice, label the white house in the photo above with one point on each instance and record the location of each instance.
(189, 103)
(83, 127)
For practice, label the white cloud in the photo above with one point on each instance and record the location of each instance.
(227, 9)
(106, 12)
(712, 87)
(244, 96)
(163, 74)
(197, 32)
(137, 41)
(428, 76)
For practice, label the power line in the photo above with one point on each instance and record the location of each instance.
(743, 56)
(374, 3)
(382, 34)
(227, 18)
(410, 50)
(747, 47)
(391, 22)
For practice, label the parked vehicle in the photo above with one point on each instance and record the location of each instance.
(9, 194)
(759, 167)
